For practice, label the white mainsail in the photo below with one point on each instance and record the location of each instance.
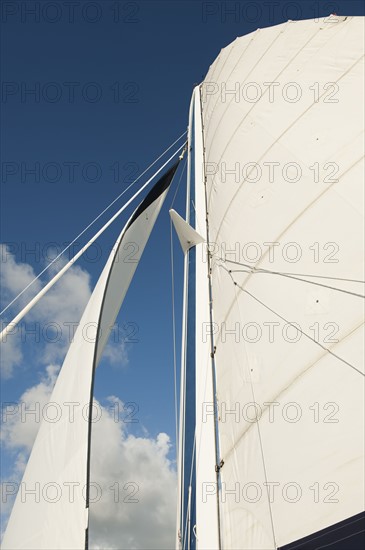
(55, 516)
(283, 165)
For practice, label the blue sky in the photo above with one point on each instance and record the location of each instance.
(113, 83)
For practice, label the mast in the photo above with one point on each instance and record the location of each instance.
(197, 478)
(181, 445)
(186, 483)
(202, 204)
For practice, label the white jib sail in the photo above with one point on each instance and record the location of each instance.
(55, 515)
(283, 134)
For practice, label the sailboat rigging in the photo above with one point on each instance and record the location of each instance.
(275, 176)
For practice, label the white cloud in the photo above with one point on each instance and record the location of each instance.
(131, 468)
(21, 420)
(120, 460)
(116, 353)
(19, 430)
(47, 324)
(124, 466)
(50, 325)
(10, 356)
(14, 277)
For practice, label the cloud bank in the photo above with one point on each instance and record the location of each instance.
(134, 480)
(135, 502)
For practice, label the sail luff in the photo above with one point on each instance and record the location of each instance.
(207, 492)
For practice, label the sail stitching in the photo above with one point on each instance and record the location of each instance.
(264, 93)
(296, 327)
(233, 46)
(258, 431)
(230, 74)
(304, 210)
(277, 396)
(282, 391)
(279, 138)
(285, 230)
(282, 70)
(245, 79)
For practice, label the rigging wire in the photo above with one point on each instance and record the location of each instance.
(258, 430)
(294, 326)
(190, 481)
(253, 270)
(299, 274)
(173, 313)
(59, 274)
(90, 224)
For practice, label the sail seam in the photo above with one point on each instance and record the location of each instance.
(285, 230)
(298, 328)
(282, 70)
(258, 431)
(264, 93)
(242, 436)
(245, 79)
(230, 74)
(283, 390)
(317, 198)
(279, 138)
